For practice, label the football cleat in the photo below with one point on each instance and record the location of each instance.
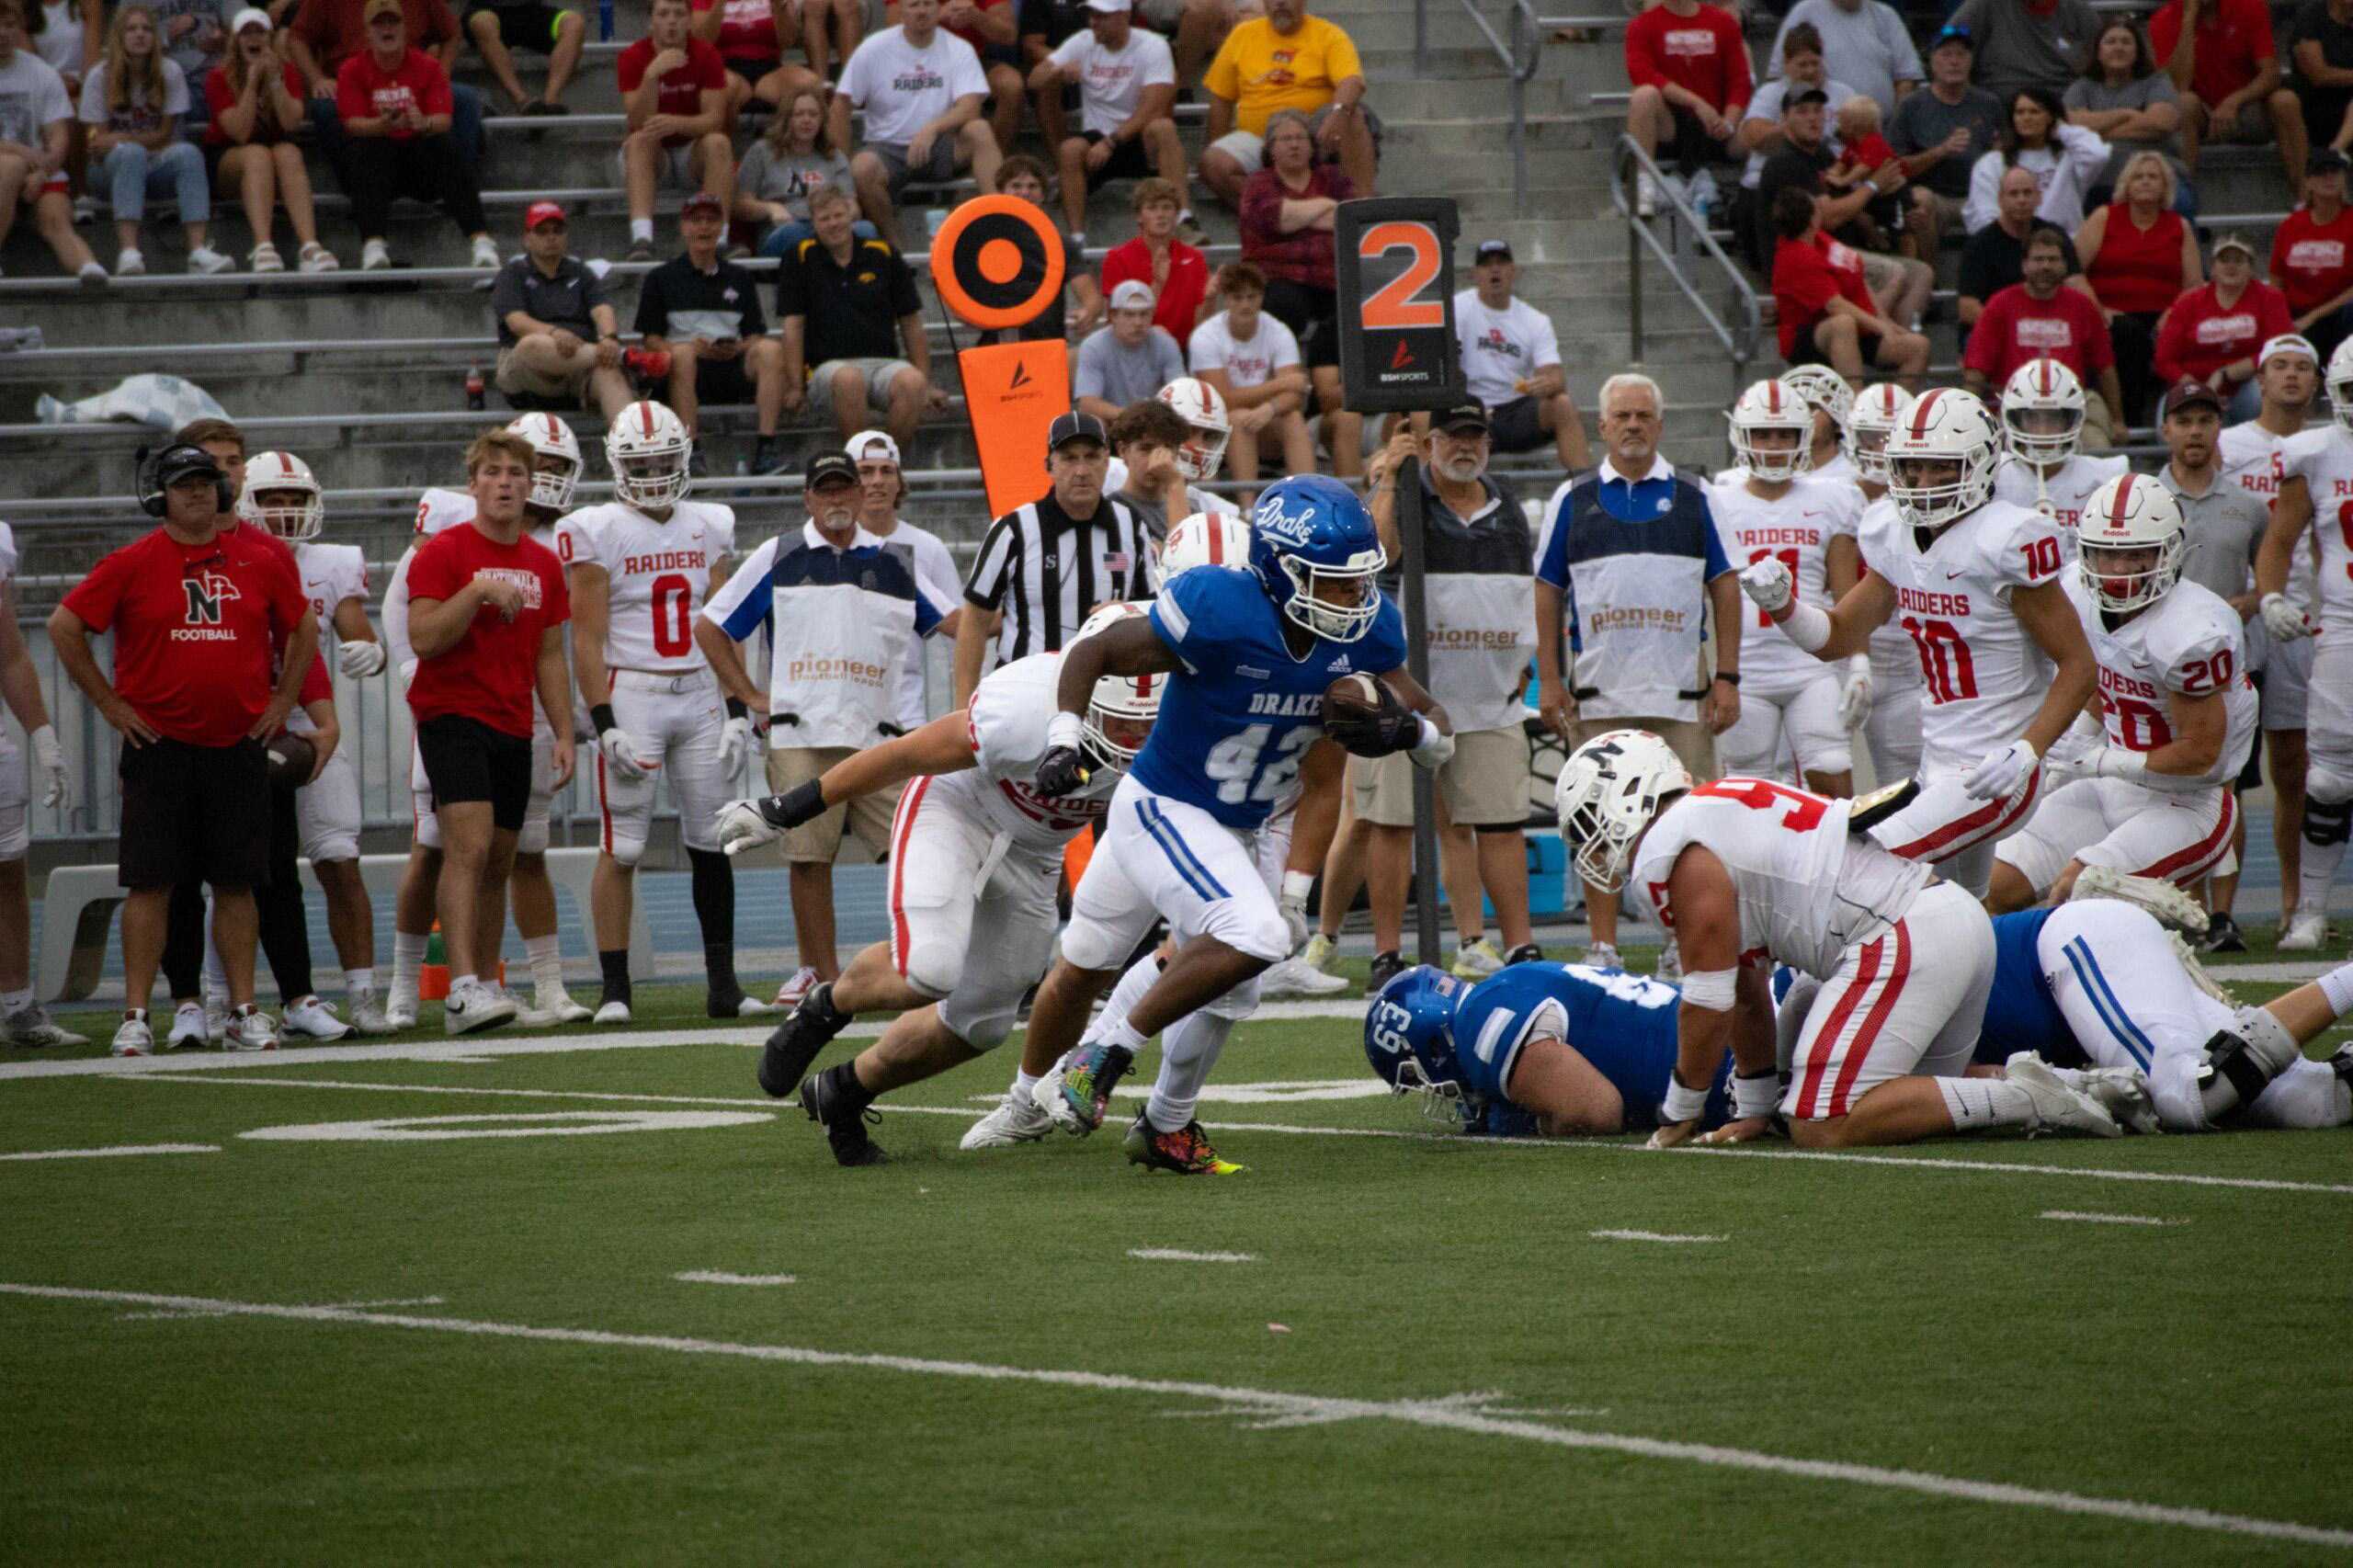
(310, 1018)
(1297, 977)
(1386, 967)
(1186, 1151)
(2124, 1094)
(2055, 1105)
(133, 1038)
(33, 1027)
(216, 1018)
(1014, 1120)
(795, 987)
(843, 1110)
(611, 1010)
(793, 1045)
(401, 1017)
(1604, 955)
(1320, 953)
(2223, 935)
(1076, 1091)
(1669, 968)
(2304, 932)
(1477, 961)
(2163, 899)
(2196, 971)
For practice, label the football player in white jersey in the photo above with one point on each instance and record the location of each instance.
(2042, 422)
(1833, 400)
(1884, 686)
(641, 567)
(2316, 499)
(1196, 457)
(283, 496)
(1977, 583)
(1773, 510)
(23, 1020)
(2151, 804)
(530, 894)
(1748, 874)
(975, 857)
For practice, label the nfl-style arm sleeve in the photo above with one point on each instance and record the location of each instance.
(396, 643)
(742, 605)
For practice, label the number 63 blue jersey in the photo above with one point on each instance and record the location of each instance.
(1623, 1024)
(1239, 715)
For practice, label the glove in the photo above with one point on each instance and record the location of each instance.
(408, 672)
(620, 753)
(1062, 770)
(360, 660)
(2000, 775)
(2283, 619)
(1293, 904)
(2070, 755)
(1769, 586)
(49, 757)
(734, 746)
(1433, 750)
(746, 825)
(1855, 697)
(1385, 729)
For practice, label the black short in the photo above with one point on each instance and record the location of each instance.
(724, 380)
(1128, 161)
(194, 814)
(1518, 425)
(524, 24)
(1693, 149)
(465, 759)
(1808, 352)
(1314, 317)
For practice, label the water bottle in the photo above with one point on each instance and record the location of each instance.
(605, 20)
(474, 400)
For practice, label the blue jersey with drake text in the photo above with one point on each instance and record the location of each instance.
(1239, 714)
(2020, 1013)
(1623, 1024)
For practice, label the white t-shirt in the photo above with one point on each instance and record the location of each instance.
(936, 572)
(59, 42)
(32, 96)
(1248, 362)
(140, 118)
(900, 88)
(1109, 84)
(1500, 348)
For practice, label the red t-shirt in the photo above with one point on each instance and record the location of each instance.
(335, 29)
(2201, 335)
(2313, 263)
(2016, 327)
(1702, 53)
(194, 628)
(681, 91)
(364, 90)
(1180, 299)
(1870, 154)
(2233, 40)
(747, 32)
(1808, 275)
(491, 673)
(220, 99)
(982, 43)
(2136, 272)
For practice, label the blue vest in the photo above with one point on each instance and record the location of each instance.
(1637, 596)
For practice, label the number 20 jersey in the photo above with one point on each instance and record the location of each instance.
(2187, 642)
(659, 575)
(1239, 713)
(1985, 676)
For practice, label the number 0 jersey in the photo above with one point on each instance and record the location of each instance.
(1807, 889)
(1623, 1024)
(2188, 641)
(2322, 459)
(1006, 725)
(1985, 676)
(1796, 530)
(2065, 492)
(659, 577)
(1241, 711)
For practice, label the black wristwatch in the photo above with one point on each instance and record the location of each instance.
(1730, 677)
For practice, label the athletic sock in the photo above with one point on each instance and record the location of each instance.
(408, 962)
(1191, 1049)
(546, 956)
(614, 962)
(15, 1001)
(1117, 1031)
(714, 886)
(641, 229)
(354, 980)
(855, 1096)
(718, 965)
(2319, 873)
(1133, 982)
(1976, 1104)
(1022, 1083)
(2337, 985)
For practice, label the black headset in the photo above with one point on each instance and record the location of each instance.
(173, 463)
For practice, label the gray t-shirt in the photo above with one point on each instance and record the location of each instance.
(1120, 375)
(202, 45)
(1923, 121)
(2224, 526)
(2015, 48)
(1867, 46)
(791, 178)
(2156, 87)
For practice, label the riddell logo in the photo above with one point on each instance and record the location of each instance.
(206, 594)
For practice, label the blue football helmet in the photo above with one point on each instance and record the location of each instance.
(1409, 1039)
(1309, 531)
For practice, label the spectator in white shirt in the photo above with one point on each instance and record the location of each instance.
(882, 490)
(1863, 42)
(1511, 363)
(35, 117)
(921, 90)
(1253, 361)
(1127, 95)
(2065, 160)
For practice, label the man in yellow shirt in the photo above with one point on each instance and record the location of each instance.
(1287, 59)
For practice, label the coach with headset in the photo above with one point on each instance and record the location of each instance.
(196, 608)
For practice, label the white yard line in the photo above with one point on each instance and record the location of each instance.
(1912, 1161)
(1649, 1236)
(117, 1152)
(2088, 1218)
(1171, 1254)
(1459, 1413)
(715, 1276)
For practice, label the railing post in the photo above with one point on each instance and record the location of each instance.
(1518, 145)
(1634, 276)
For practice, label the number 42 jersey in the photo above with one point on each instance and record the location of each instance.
(1241, 711)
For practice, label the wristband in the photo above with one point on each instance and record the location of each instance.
(738, 709)
(1064, 729)
(1297, 885)
(600, 718)
(1806, 625)
(1730, 677)
(1756, 1094)
(1681, 1104)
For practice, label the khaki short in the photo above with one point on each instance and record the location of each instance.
(818, 841)
(1484, 784)
(515, 377)
(1687, 737)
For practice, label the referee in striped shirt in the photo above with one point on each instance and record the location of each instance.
(1043, 567)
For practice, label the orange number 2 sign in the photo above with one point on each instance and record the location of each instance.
(1394, 306)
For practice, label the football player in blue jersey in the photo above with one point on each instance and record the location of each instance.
(1249, 653)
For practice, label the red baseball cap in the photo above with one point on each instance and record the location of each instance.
(539, 212)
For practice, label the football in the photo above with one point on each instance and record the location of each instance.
(1351, 697)
(291, 757)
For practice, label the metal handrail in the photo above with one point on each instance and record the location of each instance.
(1524, 30)
(1740, 341)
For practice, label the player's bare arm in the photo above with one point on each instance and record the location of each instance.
(1416, 699)
(2200, 724)
(1706, 933)
(69, 634)
(1839, 632)
(591, 587)
(2274, 558)
(1569, 1097)
(329, 727)
(1127, 647)
(435, 626)
(726, 661)
(2051, 621)
(553, 676)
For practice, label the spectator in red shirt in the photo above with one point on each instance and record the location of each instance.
(498, 28)
(751, 36)
(2138, 256)
(1689, 67)
(674, 86)
(2311, 256)
(394, 101)
(1179, 274)
(195, 607)
(255, 108)
(2227, 69)
(2213, 334)
(2041, 316)
(326, 33)
(1288, 210)
(485, 619)
(1827, 316)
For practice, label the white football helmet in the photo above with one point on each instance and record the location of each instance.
(646, 448)
(550, 437)
(273, 473)
(1949, 429)
(1121, 710)
(2340, 385)
(2042, 412)
(1204, 410)
(1206, 538)
(1610, 789)
(2133, 539)
(1878, 411)
(1772, 406)
(1823, 389)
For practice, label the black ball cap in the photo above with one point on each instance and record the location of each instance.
(1076, 426)
(1468, 414)
(827, 467)
(186, 460)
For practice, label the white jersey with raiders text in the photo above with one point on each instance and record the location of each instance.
(2323, 458)
(1896, 663)
(331, 573)
(2188, 641)
(1985, 677)
(1807, 889)
(438, 509)
(2252, 457)
(2059, 496)
(1008, 719)
(658, 576)
(1795, 529)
